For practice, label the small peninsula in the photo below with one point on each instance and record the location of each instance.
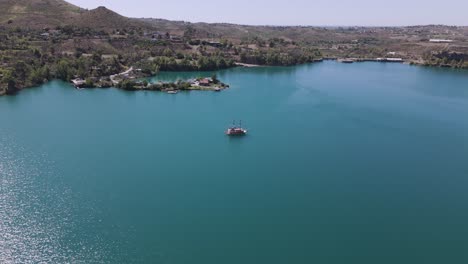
(128, 82)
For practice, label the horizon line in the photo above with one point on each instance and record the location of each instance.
(284, 25)
(304, 25)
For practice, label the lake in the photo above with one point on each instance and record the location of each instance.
(344, 163)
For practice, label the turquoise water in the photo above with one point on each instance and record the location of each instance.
(361, 163)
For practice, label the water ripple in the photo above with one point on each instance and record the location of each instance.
(36, 213)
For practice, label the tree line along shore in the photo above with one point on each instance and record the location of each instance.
(30, 58)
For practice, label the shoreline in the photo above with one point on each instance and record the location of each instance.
(246, 65)
(416, 62)
(115, 84)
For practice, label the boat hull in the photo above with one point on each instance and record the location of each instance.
(236, 132)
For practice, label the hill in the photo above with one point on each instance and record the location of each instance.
(102, 18)
(39, 14)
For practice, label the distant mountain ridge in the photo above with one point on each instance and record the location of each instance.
(39, 14)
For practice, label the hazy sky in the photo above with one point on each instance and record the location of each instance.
(295, 12)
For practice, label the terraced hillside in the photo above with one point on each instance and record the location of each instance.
(45, 39)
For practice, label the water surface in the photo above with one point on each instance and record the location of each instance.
(361, 163)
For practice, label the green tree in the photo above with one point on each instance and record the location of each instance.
(89, 83)
(63, 71)
(37, 53)
(10, 80)
(37, 76)
(167, 52)
(97, 56)
(215, 79)
(127, 85)
(21, 70)
(221, 63)
(243, 57)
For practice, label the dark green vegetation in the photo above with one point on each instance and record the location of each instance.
(45, 39)
(447, 59)
(213, 84)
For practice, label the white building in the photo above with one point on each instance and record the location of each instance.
(440, 40)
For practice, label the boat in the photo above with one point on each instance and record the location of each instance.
(236, 130)
(78, 83)
(347, 60)
(172, 92)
